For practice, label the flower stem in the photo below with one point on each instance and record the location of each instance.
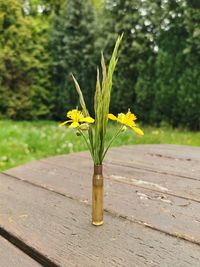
(111, 141)
(88, 145)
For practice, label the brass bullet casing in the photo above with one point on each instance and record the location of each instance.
(97, 196)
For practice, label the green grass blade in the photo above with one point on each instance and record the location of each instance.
(107, 92)
(98, 121)
(104, 73)
(85, 113)
(81, 98)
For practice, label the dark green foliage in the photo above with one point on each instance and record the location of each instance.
(73, 51)
(121, 16)
(126, 16)
(168, 89)
(23, 63)
(145, 90)
(43, 41)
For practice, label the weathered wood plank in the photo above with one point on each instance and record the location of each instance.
(172, 185)
(154, 206)
(10, 256)
(176, 185)
(175, 160)
(178, 152)
(153, 158)
(147, 158)
(58, 227)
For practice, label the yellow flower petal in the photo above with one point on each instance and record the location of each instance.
(130, 124)
(131, 116)
(112, 117)
(138, 130)
(87, 119)
(121, 117)
(75, 115)
(74, 125)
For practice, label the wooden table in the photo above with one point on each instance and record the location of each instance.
(152, 204)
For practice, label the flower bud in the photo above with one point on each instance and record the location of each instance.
(124, 129)
(78, 134)
(84, 126)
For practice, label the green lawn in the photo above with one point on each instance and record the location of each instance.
(22, 142)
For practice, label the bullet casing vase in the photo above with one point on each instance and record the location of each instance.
(97, 196)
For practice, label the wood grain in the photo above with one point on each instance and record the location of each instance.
(178, 161)
(10, 256)
(176, 185)
(179, 152)
(58, 227)
(149, 206)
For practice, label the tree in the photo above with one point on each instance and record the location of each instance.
(73, 51)
(126, 16)
(168, 87)
(23, 64)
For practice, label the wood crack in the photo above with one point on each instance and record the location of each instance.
(154, 190)
(125, 182)
(30, 251)
(110, 212)
(113, 162)
(167, 157)
(152, 170)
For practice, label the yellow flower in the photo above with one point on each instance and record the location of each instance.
(127, 119)
(76, 118)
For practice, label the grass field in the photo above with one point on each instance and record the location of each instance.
(22, 142)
